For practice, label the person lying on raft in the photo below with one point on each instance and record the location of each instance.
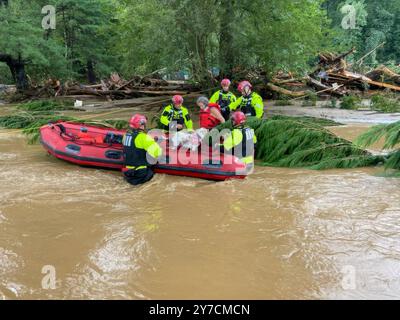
(250, 103)
(139, 149)
(242, 140)
(224, 98)
(210, 114)
(176, 116)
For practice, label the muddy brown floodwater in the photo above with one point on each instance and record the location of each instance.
(280, 234)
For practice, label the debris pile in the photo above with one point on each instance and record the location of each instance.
(113, 88)
(333, 76)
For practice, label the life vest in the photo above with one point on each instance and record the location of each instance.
(176, 115)
(248, 135)
(247, 144)
(85, 137)
(207, 120)
(134, 157)
(246, 106)
(224, 101)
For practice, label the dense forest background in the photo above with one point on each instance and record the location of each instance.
(93, 38)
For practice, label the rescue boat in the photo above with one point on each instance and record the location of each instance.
(94, 146)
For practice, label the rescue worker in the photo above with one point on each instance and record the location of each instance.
(242, 140)
(224, 98)
(210, 114)
(139, 149)
(250, 103)
(177, 114)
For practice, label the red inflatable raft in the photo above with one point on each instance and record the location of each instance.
(94, 146)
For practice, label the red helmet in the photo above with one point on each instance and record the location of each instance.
(177, 100)
(243, 85)
(225, 83)
(137, 121)
(238, 118)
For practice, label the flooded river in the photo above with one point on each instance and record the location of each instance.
(280, 234)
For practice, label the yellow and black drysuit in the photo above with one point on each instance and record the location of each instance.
(251, 106)
(180, 116)
(139, 149)
(224, 100)
(241, 143)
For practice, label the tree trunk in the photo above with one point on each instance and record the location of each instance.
(201, 53)
(226, 49)
(17, 69)
(22, 80)
(285, 92)
(91, 75)
(197, 54)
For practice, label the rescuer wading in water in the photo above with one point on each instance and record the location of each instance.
(139, 148)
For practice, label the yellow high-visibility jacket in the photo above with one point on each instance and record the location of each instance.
(180, 116)
(251, 106)
(137, 146)
(244, 137)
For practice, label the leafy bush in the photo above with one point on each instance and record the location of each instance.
(351, 102)
(333, 103)
(283, 102)
(311, 100)
(385, 104)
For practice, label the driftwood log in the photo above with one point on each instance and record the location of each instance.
(384, 74)
(285, 92)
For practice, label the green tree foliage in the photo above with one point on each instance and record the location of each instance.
(281, 34)
(347, 37)
(305, 143)
(391, 134)
(146, 38)
(85, 30)
(200, 34)
(95, 37)
(79, 47)
(23, 43)
(172, 34)
(380, 25)
(377, 22)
